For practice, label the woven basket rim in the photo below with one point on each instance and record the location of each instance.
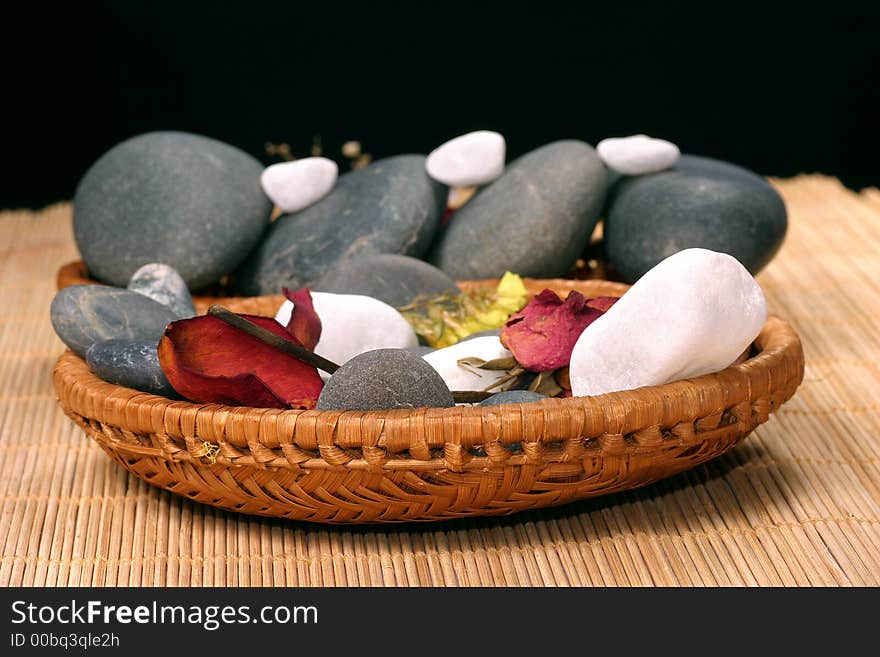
(618, 412)
(75, 272)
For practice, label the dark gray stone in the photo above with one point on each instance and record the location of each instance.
(164, 285)
(394, 279)
(535, 220)
(421, 349)
(698, 203)
(385, 379)
(513, 397)
(191, 202)
(84, 314)
(390, 206)
(130, 363)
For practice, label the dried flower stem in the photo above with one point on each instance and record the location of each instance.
(264, 335)
(470, 396)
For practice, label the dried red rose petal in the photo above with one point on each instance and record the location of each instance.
(208, 361)
(304, 324)
(542, 335)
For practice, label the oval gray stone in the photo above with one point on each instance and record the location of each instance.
(391, 206)
(164, 285)
(130, 363)
(699, 203)
(535, 220)
(513, 397)
(191, 202)
(84, 314)
(385, 379)
(394, 279)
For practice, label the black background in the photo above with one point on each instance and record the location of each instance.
(780, 89)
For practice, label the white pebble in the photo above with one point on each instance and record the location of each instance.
(633, 156)
(476, 158)
(692, 314)
(352, 324)
(295, 185)
(461, 377)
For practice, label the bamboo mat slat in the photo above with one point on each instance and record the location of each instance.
(797, 503)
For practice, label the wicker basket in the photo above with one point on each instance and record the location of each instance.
(431, 464)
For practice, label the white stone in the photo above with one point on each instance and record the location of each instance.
(633, 156)
(461, 377)
(295, 185)
(352, 324)
(476, 158)
(692, 314)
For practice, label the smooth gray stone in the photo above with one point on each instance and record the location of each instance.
(513, 397)
(191, 202)
(535, 220)
(421, 349)
(84, 314)
(163, 284)
(391, 206)
(385, 379)
(130, 363)
(698, 203)
(394, 279)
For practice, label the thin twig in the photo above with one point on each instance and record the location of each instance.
(470, 396)
(265, 335)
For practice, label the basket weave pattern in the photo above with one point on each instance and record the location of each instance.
(431, 464)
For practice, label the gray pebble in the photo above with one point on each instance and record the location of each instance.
(191, 202)
(390, 206)
(385, 379)
(535, 220)
(130, 363)
(421, 349)
(84, 314)
(163, 284)
(512, 397)
(394, 279)
(701, 203)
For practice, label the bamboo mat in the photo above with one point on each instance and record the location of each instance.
(798, 503)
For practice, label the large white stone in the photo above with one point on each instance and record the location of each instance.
(462, 377)
(476, 158)
(352, 324)
(692, 314)
(295, 185)
(638, 154)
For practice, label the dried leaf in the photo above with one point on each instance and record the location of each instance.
(512, 376)
(562, 378)
(496, 365)
(543, 334)
(545, 384)
(446, 319)
(304, 324)
(208, 361)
